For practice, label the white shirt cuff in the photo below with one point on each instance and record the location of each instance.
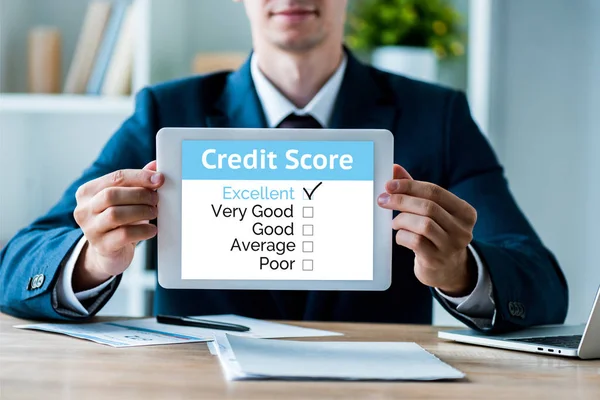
(67, 298)
(480, 303)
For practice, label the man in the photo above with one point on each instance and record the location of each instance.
(459, 231)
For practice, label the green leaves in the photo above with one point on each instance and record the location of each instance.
(420, 23)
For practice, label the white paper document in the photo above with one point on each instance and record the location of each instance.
(147, 332)
(221, 347)
(247, 358)
(120, 334)
(264, 329)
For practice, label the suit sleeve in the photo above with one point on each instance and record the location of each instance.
(529, 287)
(31, 262)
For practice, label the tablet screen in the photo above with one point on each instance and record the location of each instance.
(277, 210)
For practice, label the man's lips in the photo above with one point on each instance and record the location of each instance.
(295, 14)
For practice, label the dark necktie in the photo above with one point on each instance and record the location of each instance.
(300, 122)
(292, 304)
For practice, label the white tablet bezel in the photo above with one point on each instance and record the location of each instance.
(168, 155)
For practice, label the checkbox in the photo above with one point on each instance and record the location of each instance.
(307, 247)
(308, 212)
(305, 196)
(308, 230)
(307, 265)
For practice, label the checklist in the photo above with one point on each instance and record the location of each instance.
(277, 210)
(308, 230)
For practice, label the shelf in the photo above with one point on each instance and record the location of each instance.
(64, 104)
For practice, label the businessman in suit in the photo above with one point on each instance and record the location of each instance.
(459, 235)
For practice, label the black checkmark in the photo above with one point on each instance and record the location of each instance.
(309, 195)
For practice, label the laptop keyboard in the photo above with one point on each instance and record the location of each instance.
(570, 342)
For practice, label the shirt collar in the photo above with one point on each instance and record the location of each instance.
(277, 107)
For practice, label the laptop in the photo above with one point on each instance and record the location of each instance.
(581, 341)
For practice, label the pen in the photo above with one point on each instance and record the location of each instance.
(200, 323)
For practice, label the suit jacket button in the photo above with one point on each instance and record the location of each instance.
(37, 281)
(516, 309)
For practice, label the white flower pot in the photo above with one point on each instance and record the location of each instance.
(415, 62)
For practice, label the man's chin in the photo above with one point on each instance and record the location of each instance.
(298, 45)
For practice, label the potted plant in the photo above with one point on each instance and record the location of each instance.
(406, 36)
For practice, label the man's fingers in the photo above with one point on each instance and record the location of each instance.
(122, 178)
(401, 173)
(151, 166)
(117, 216)
(116, 239)
(123, 196)
(423, 226)
(425, 190)
(415, 242)
(423, 207)
(142, 222)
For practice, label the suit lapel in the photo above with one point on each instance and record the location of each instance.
(364, 102)
(239, 105)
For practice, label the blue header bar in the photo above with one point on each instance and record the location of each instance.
(277, 160)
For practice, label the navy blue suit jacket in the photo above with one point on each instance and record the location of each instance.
(436, 140)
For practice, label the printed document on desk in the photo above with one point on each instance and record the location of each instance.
(247, 358)
(147, 332)
(265, 329)
(120, 334)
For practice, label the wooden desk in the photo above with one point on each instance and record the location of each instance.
(46, 366)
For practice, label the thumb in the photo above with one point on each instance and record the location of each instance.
(151, 166)
(401, 173)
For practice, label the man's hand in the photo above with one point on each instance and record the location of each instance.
(437, 226)
(114, 212)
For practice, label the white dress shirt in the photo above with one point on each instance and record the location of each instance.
(66, 296)
(478, 306)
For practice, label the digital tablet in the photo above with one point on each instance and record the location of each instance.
(283, 209)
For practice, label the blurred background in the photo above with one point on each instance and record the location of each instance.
(531, 70)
